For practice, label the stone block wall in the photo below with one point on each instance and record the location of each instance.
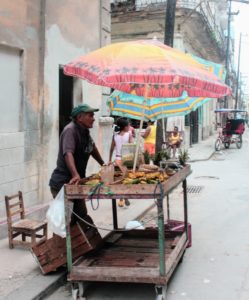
(41, 36)
(18, 169)
(19, 101)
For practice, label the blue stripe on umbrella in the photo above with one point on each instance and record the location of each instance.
(130, 106)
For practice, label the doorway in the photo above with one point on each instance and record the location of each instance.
(65, 98)
(194, 127)
(192, 121)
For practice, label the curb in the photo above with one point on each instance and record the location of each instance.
(142, 214)
(202, 159)
(39, 287)
(52, 287)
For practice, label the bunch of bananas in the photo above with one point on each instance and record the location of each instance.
(145, 178)
(135, 175)
(131, 181)
(92, 182)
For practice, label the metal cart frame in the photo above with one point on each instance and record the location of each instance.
(135, 192)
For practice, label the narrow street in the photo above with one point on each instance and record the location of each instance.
(217, 265)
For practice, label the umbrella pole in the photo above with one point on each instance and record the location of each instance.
(140, 127)
(164, 130)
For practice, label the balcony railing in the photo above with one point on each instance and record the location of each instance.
(199, 6)
(205, 11)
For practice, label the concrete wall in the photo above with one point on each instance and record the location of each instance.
(208, 119)
(36, 37)
(90, 29)
(207, 116)
(19, 99)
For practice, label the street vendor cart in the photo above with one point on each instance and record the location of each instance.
(136, 256)
(148, 69)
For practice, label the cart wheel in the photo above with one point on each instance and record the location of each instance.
(75, 291)
(78, 290)
(239, 142)
(181, 259)
(161, 292)
(227, 145)
(217, 145)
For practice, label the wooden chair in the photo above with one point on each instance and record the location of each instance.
(24, 227)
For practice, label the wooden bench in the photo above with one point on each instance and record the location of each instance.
(24, 227)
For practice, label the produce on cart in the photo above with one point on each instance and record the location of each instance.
(145, 174)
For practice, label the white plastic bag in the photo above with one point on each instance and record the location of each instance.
(134, 225)
(56, 214)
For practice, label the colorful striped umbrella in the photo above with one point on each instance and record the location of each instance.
(131, 66)
(149, 69)
(131, 106)
(214, 68)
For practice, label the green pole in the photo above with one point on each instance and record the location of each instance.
(161, 236)
(68, 235)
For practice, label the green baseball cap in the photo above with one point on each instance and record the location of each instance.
(82, 108)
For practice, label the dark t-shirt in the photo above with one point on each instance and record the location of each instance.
(77, 140)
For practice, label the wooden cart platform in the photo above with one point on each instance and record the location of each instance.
(131, 257)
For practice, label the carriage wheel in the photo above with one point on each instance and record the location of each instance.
(227, 145)
(181, 259)
(217, 145)
(239, 142)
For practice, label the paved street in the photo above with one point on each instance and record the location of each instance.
(217, 266)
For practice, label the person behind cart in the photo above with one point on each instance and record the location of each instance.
(121, 136)
(75, 148)
(132, 129)
(150, 138)
(175, 141)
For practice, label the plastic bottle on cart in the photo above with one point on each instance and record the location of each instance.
(107, 174)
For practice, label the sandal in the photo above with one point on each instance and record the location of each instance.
(121, 202)
(127, 202)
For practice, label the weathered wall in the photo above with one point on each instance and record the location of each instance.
(137, 25)
(73, 28)
(35, 38)
(19, 99)
(206, 118)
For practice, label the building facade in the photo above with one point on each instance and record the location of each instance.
(36, 39)
(200, 28)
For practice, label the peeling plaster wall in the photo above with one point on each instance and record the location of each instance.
(19, 145)
(44, 34)
(207, 120)
(73, 28)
